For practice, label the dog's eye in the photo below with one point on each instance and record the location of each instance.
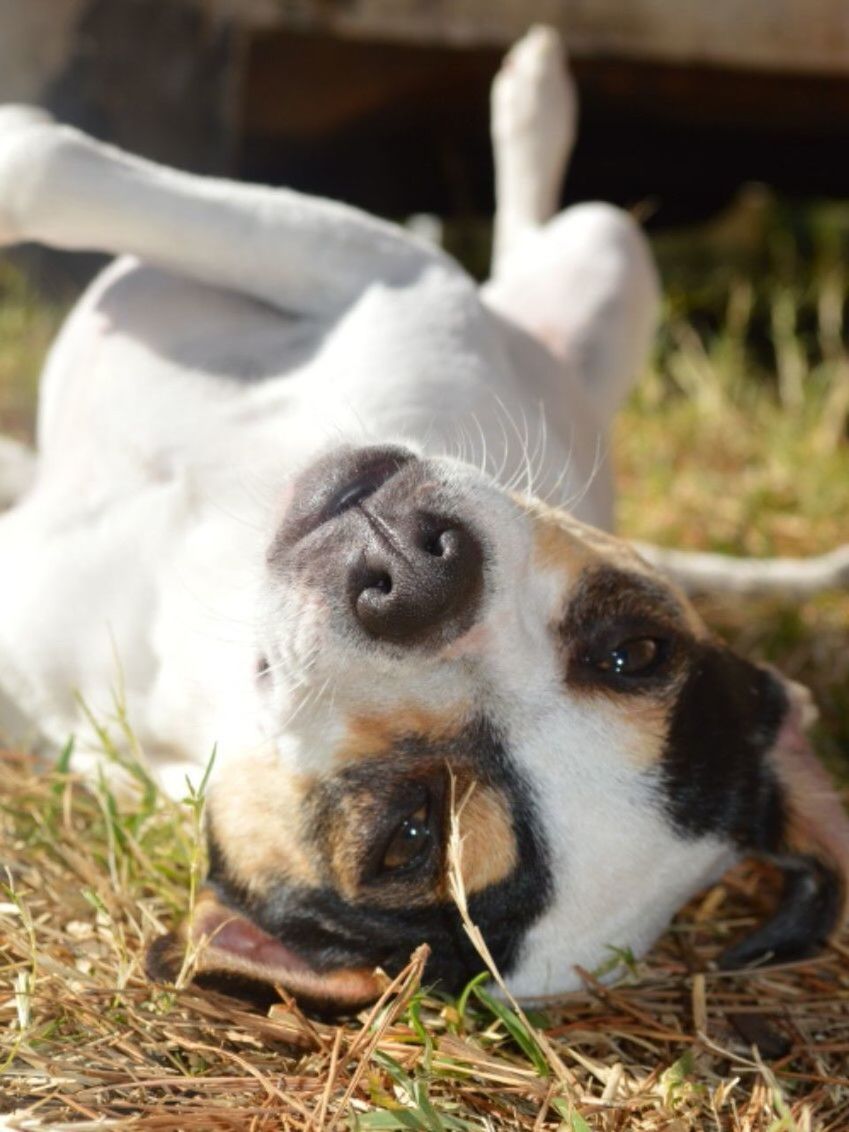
(638, 656)
(410, 844)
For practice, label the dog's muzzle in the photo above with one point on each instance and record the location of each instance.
(374, 531)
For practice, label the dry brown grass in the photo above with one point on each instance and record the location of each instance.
(87, 1041)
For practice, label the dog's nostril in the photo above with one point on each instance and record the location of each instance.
(380, 582)
(438, 539)
(369, 480)
(435, 544)
(449, 543)
(351, 496)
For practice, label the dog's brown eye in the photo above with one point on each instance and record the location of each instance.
(639, 656)
(410, 843)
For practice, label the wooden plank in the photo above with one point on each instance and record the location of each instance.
(401, 127)
(804, 36)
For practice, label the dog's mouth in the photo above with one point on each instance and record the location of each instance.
(227, 948)
(336, 484)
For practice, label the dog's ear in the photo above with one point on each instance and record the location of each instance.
(812, 844)
(224, 944)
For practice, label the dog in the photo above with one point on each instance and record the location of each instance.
(310, 497)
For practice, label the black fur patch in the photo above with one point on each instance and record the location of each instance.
(331, 932)
(718, 779)
(715, 777)
(610, 606)
(808, 911)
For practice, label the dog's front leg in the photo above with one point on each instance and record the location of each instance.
(297, 253)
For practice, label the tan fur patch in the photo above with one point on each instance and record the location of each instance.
(349, 842)
(568, 546)
(254, 810)
(489, 845)
(564, 543)
(647, 718)
(370, 736)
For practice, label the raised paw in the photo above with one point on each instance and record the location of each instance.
(534, 111)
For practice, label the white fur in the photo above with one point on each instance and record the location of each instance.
(135, 565)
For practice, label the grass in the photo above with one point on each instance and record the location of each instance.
(735, 441)
(86, 1038)
(26, 330)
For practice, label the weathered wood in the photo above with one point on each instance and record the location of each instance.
(402, 127)
(157, 76)
(784, 35)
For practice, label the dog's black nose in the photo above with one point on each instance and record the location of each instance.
(418, 578)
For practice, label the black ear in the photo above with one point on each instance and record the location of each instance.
(739, 766)
(809, 909)
(813, 853)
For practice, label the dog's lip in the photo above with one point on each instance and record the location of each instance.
(336, 484)
(241, 937)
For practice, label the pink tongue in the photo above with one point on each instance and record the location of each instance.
(232, 932)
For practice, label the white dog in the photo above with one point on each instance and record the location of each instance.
(277, 502)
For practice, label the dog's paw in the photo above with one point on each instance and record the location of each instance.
(534, 103)
(23, 131)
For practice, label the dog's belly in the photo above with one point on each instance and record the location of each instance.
(154, 374)
(143, 609)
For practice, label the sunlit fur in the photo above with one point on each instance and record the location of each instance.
(243, 334)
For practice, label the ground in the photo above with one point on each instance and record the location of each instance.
(736, 440)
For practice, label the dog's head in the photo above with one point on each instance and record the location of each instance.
(428, 638)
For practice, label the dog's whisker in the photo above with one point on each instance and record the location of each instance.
(542, 439)
(553, 495)
(526, 441)
(505, 451)
(285, 667)
(598, 463)
(428, 434)
(521, 438)
(303, 665)
(300, 708)
(481, 464)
